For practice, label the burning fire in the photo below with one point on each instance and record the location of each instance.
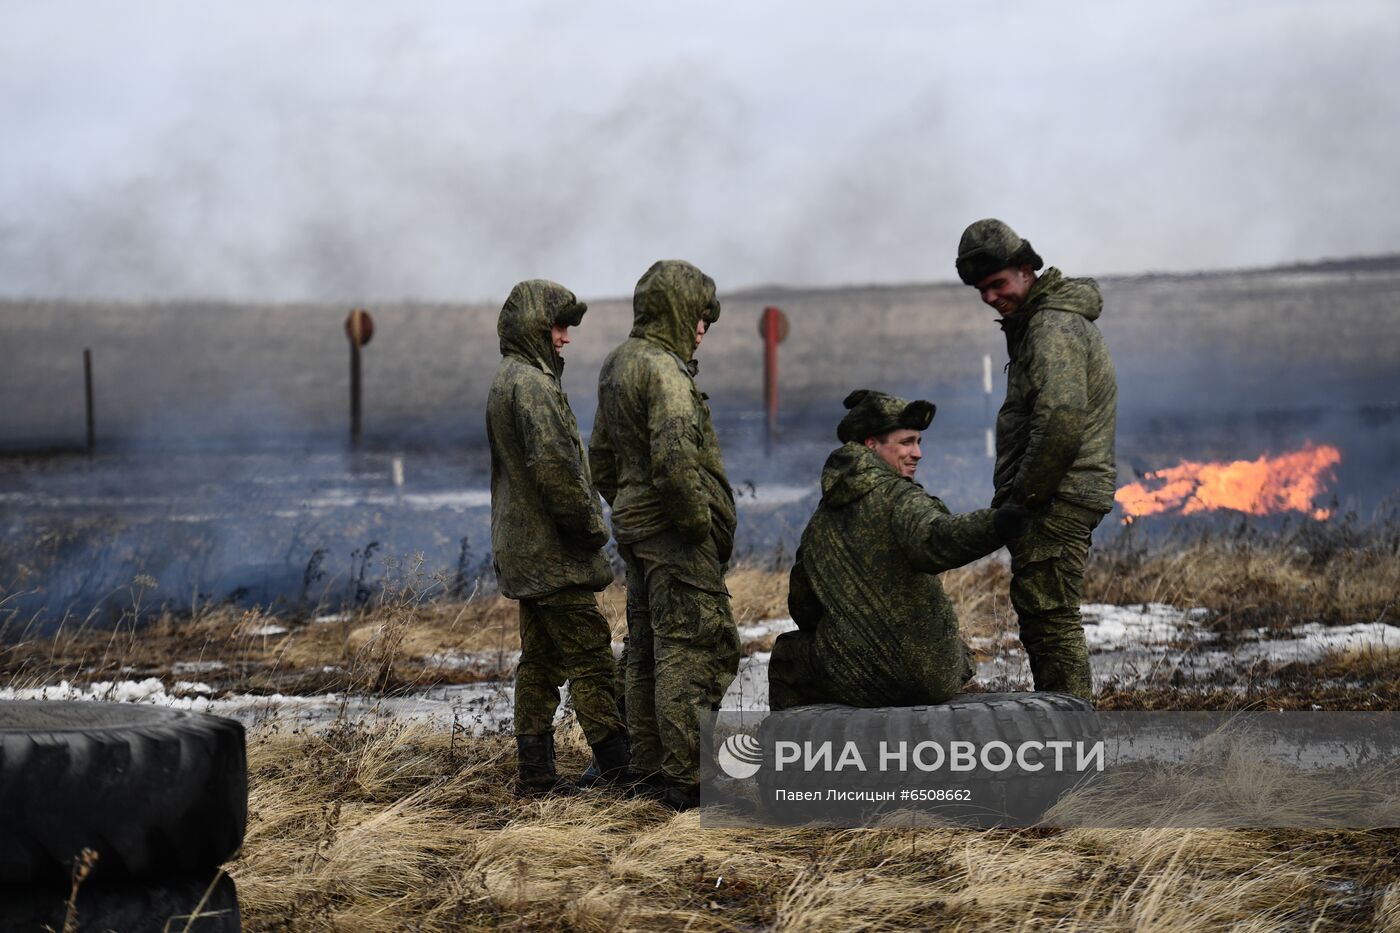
(1267, 486)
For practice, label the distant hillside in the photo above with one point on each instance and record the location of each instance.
(1389, 263)
(198, 373)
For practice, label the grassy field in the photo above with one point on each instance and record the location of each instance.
(391, 828)
(377, 824)
(411, 636)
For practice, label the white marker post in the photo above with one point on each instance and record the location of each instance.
(987, 407)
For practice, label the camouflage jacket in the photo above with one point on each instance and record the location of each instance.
(547, 526)
(865, 585)
(653, 449)
(1055, 429)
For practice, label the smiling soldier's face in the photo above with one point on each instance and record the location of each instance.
(899, 449)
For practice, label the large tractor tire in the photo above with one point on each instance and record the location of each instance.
(127, 907)
(155, 793)
(996, 799)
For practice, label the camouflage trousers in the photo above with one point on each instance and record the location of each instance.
(563, 637)
(1047, 578)
(682, 655)
(797, 677)
(794, 676)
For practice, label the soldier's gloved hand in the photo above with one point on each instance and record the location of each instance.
(1011, 521)
(593, 539)
(696, 530)
(589, 534)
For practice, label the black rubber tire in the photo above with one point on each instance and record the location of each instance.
(130, 907)
(157, 793)
(980, 718)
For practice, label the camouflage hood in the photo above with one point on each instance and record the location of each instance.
(1056, 292)
(852, 472)
(668, 303)
(535, 306)
(1052, 292)
(546, 522)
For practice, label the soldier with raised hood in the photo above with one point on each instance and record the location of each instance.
(874, 625)
(547, 535)
(711, 448)
(658, 463)
(1054, 439)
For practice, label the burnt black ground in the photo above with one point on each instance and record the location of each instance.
(223, 467)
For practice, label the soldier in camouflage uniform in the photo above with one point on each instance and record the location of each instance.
(707, 318)
(1054, 440)
(874, 625)
(547, 535)
(590, 776)
(657, 462)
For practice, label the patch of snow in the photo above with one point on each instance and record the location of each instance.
(196, 667)
(332, 617)
(770, 495)
(266, 630)
(473, 660)
(1158, 643)
(150, 690)
(456, 499)
(749, 689)
(1313, 641)
(465, 499)
(1132, 645)
(1109, 628)
(764, 628)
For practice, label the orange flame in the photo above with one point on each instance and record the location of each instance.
(1267, 486)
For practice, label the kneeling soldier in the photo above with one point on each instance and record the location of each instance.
(874, 625)
(547, 535)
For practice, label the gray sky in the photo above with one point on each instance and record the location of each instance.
(282, 151)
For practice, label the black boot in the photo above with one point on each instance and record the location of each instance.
(535, 757)
(679, 797)
(647, 786)
(611, 763)
(590, 775)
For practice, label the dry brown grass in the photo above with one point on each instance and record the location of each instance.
(1247, 583)
(403, 641)
(384, 826)
(387, 827)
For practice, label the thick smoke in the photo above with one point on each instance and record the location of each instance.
(199, 163)
(251, 153)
